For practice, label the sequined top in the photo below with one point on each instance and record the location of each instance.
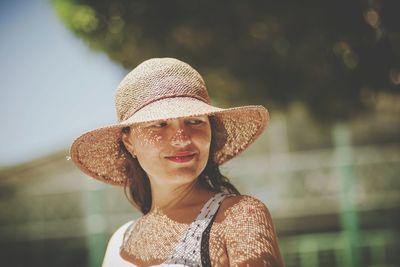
(241, 235)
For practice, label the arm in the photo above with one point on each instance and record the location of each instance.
(250, 235)
(112, 256)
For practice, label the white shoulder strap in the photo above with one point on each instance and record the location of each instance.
(188, 250)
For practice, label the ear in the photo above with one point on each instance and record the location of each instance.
(126, 139)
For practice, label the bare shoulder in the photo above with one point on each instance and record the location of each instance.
(244, 199)
(243, 205)
(112, 256)
(249, 232)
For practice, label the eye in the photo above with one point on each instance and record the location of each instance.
(158, 124)
(194, 121)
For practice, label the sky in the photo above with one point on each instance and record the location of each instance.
(52, 86)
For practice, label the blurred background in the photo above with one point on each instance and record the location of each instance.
(327, 167)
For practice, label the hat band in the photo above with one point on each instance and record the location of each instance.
(132, 112)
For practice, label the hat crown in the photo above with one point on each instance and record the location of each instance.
(155, 79)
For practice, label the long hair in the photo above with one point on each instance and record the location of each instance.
(137, 187)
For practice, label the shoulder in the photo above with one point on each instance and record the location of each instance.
(249, 232)
(243, 199)
(112, 256)
(243, 205)
(245, 215)
(118, 235)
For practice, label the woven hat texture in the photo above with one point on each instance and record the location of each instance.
(160, 89)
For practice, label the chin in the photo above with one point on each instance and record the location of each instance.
(185, 177)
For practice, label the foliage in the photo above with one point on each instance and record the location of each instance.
(331, 55)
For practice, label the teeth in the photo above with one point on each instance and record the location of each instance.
(181, 157)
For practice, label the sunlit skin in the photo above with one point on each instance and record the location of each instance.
(173, 153)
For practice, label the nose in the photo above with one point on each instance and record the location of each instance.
(180, 138)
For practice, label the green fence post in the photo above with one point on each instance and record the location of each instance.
(95, 224)
(348, 212)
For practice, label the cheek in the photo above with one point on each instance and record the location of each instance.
(144, 139)
(203, 139)
(147, 146)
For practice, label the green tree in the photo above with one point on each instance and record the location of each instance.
(326, 54)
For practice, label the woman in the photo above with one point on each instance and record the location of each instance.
(165, 151)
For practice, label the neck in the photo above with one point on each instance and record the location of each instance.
(167, 197)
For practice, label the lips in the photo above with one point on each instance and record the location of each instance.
(181, 157)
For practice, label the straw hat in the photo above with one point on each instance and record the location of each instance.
(159, 89)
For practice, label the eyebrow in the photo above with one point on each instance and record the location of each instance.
(197, 117)
(152, 122)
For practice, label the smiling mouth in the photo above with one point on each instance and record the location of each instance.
(181, 158)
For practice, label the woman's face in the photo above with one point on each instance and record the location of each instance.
(171, 151)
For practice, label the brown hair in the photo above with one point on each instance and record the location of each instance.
(137, 187)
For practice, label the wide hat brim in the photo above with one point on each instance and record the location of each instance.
(98, 152)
